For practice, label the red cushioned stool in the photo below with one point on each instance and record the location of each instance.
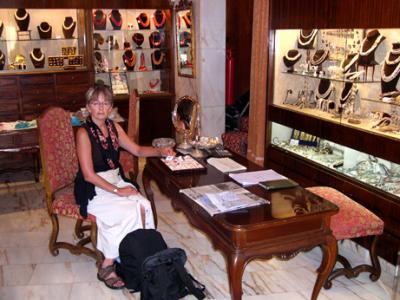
(352, 221)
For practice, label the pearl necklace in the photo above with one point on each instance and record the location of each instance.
(68, 27)
(349, 64)
(155, 60)
(293, 58)
(346, 97)
(373, 47)
(40, 59)
(326, 94)
(308, 38)
(392, 62)
(321, 59)
(388, 78)
(42, 30)
(21, 18)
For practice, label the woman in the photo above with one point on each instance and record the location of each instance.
(116, 203)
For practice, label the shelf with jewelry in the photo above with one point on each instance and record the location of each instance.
(136, 42)
(379, 173)
(346, 76)
(34, 40)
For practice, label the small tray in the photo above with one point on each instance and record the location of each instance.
(181, 164)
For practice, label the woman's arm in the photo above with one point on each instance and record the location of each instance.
(84, 150)
(141, 151)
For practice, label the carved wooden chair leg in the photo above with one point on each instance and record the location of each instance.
(78, 228)
(54, 234)
(376, 266)
(93, 235)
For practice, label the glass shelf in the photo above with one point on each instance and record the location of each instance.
(135, 49)
(311, 75)
(381, 102)
(39, 40)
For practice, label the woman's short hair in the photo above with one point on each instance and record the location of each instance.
(94, 92)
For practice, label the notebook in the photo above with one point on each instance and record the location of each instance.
(225, 164)
(278, 184)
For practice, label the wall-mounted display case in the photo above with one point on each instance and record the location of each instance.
(34, 40)
(135, 42)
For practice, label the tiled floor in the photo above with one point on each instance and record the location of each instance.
(28, 271)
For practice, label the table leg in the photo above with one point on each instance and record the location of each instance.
(149, 193)
(329, 253)
(236, 264)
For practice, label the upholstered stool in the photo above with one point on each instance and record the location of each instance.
(352, 221)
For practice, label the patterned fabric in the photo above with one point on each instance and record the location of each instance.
(100, 139)
(57, 148)
(353, 220)
(244, 124)
(126, 162)
(235, 141)
(64, 204)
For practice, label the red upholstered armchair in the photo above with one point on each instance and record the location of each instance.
(236, 141)
(60, 164)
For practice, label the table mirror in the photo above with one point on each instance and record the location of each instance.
(185, 39)
(184, 118)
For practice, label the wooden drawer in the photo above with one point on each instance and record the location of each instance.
(74, 94)
(8, 87)
(6, 141)
(26, 138)
(37, 80)
(36, 100)
(72, 78)
(9, 109)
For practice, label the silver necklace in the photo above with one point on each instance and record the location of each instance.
(344, 99)
(348, 66)
(308, 38)
(293, 58)
(392, 62)
(373, 47)
(388, 78)
(321, 59)
(326, 93)
(68, 27)
(37, 59)
(21, 18)
(42, 30)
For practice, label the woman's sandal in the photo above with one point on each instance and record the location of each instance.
(112, 282)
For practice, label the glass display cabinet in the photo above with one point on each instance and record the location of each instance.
(34, 40)
(135, 43)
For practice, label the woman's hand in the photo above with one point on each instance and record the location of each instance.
(127, 191)
(167, 151)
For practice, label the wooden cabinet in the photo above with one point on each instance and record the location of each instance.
(366, 142)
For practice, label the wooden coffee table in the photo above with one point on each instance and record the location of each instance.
(294, 221)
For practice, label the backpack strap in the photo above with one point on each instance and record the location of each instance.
(188, 279)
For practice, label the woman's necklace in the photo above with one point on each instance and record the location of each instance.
(292, 58)
(68, 27)
(144, 20)
(101, 21)
(21, 18)
(158, 61)
(348, 90)
(155, 39)
(44, 30)
(1, 56)
(349, 64)
(390, 77)
(388, 61)
(319, 60)
(130, 61)
(373, 46)
(159, 24)
(38, 59)
(154, 82)
(307, 38)
(114, 21)
(326, 94)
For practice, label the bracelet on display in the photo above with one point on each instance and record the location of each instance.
(67, 51)
(55, 61)
(75, 61)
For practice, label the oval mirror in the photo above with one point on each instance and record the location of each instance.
(184, 118)
(185, 46)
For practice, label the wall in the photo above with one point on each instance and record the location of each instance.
(208, 86)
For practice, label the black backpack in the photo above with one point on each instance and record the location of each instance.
(148, 266)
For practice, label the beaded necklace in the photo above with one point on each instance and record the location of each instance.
(114, 21)
(144, 20)
(158, 61)
(158, 13)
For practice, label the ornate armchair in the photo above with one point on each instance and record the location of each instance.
(60, 164)
(236, 141)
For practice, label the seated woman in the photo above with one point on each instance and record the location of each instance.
(101, 188)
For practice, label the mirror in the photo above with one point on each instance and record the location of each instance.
(185, 39)
(184, 118)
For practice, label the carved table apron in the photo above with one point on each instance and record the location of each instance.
(295, 220)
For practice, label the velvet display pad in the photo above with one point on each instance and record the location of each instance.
(181, 164)
(278, 184)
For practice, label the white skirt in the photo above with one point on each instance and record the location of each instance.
(117, 216)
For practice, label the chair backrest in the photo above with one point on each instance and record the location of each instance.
(57, 149)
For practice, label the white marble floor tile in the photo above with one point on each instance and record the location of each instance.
(36, 292)
(17, 274)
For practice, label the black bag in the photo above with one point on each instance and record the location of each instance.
(165, 277)
(133, 250)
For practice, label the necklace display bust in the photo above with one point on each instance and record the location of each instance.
(324, 90)
(1, 28)
(157, 59)
(390, 72)
(143, 21)
(22, 18)
(159, 18)
(115, 19)
(44, 30)
(37, 58)
(306, 38)
(349, 63)
(155, 39)
(368, 47)
(129, 58)
(138, 39)
(291, 58)
(319, 57)
(68, 27)
(99, 20)
(2, 60)
(346, 92)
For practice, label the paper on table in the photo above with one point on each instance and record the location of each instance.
(225, 164)
(252, 178)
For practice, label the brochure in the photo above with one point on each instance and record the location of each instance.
(253, 178)
(223, 197)
(225, 164)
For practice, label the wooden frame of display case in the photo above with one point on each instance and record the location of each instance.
(291, 14)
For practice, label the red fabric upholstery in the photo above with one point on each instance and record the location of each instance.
(64, 204)
(236, 141)
(353, 220)
(126, 161)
